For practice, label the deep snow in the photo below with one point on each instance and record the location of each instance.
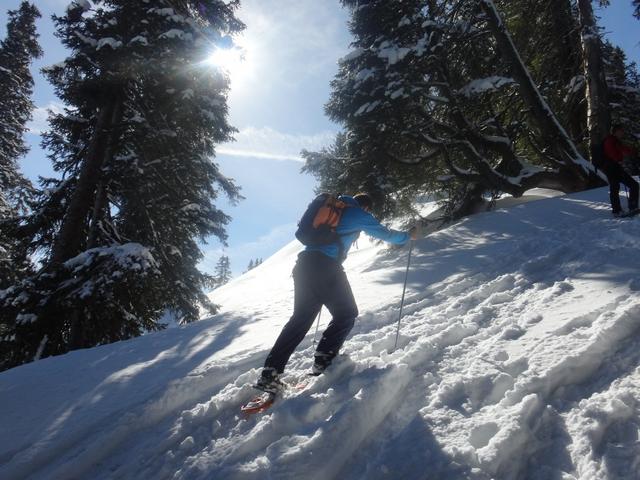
(518, 358)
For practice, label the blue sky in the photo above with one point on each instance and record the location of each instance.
(276, 102)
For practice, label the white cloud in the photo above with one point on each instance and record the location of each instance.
(253, 154)
(271, 144)
(40, 114)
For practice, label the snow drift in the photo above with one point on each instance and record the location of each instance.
(518, 358)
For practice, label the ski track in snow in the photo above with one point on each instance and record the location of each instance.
(518, 358)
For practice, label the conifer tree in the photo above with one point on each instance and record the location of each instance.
(597, 92)
(441, 95)
(330, 166)
(118, 232)
(255, 263)
(623, 83)
(17, 51)
(550, 44)
(223, 271)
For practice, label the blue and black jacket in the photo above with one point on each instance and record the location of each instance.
(353, 221)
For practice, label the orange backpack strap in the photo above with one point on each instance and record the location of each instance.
(320, 220)
(329, 213)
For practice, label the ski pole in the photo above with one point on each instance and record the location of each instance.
(404, 289)
(315, 335)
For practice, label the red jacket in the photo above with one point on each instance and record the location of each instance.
(615, 150)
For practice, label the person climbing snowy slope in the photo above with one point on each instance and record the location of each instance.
(615, 154)
(319, 279)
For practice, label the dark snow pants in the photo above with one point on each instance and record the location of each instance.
(318, 280)
(616, 175)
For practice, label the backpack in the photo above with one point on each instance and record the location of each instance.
(319, 221)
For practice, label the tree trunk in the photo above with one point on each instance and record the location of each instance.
(70, 238)
(566, 34)
(598, 117)
(99, 209)
(547, 122)
(471, 202)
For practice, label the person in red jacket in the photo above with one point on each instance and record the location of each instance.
(612, 166)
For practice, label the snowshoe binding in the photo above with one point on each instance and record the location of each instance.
(320, 363)
(271, 385)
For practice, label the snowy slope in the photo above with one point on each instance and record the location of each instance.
(518, 358)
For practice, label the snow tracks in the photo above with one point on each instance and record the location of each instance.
(518, 358)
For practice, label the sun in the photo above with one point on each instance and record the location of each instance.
(232, 60)
(238, 59)
(229, 59)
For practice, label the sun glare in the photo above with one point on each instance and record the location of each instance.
(231, 60)
(237, 59)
